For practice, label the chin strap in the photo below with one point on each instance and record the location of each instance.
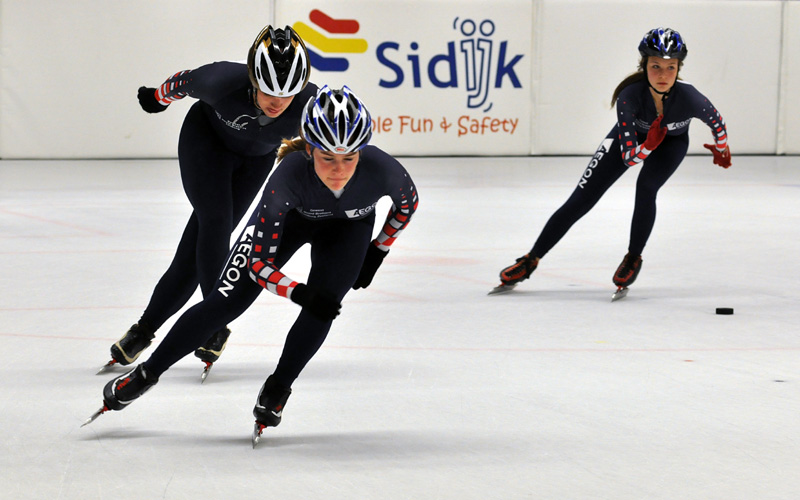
(262, 118)
(663, 95)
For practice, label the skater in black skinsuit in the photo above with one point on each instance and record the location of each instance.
(323, 192)
(226, 149)
(654, 109)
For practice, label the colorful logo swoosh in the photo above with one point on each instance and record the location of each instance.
(328, 44)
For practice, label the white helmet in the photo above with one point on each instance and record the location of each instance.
(278, 62)
(336, 121)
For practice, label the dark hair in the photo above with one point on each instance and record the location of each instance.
(641, 74)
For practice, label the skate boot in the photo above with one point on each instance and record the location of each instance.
(628, 270)
(269, 406)
(626, 274)
(214, 346)
(130, 346)
(211, 351)
(123, 390)
(516, 273)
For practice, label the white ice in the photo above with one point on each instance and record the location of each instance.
(426, 388)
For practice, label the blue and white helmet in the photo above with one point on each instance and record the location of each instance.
(336, 121)
(663, 42)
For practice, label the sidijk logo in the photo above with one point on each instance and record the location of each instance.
(481, 63)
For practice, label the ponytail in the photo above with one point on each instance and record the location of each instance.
(640, 75)
(290, 146)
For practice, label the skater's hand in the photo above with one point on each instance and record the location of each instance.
(148, 101)
(321, 303)
(655, 135)
(721, 158)
(372, 262)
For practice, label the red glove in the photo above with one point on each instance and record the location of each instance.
(655, 135)
(721, 158)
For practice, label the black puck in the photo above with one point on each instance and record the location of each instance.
(724, 310)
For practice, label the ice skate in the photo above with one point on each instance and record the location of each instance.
(211, 351)
(127, 349)
(515, 273)
(621, 292)
(269, 406)
(626, 274)
(124, 390)
(95, 415)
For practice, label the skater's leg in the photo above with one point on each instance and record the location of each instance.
(247, 181)
(338, 249)
(205, 167)
(207, 171)
(602, 172)
(233, 293)
(337, 252)
(177, 284)
(656, 170)
(199, 322)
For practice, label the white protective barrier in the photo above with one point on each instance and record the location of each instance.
(70, 70)
(585, 48)
(442, 77)
(789, 104)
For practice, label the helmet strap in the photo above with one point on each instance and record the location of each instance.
(663, 95)
(254, 97)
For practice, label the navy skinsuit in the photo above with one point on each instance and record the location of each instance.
(635, 112)
(226, 150)
(297, 208)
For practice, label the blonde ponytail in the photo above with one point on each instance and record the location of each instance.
(290, 146)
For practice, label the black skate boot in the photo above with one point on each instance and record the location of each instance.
(516, 273)
(130, 346)
(211, 351)
(269, 406)
(214, 346)
(123, 390)
(628, 270)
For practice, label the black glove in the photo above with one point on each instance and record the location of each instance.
(372, 261)
(320, 303)
(148, 101)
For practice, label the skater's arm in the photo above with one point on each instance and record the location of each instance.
(207, 83)
(266, 239)
(280, 196)
(405, 201)
(629, 109)
(720, 149)
(404, 204)
(707, 112)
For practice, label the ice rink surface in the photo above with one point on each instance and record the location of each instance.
(426, 388)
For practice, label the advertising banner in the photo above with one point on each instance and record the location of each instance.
(439, 77)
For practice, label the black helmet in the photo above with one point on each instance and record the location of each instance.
(663, 42)
(278, 62)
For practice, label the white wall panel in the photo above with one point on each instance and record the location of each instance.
(584, 48)
(70, 70)
(789, 125)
